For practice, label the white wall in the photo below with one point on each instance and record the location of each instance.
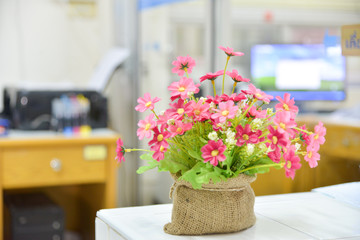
(49, 41)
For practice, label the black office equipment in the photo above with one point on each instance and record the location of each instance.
(33, 217)
(32, 109)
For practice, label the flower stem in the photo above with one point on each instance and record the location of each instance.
(234, 87)
(187, 74)
(213, 83)
(137, 149)
(248, 109)
(302, 130)
(262, 166)
(223, 83)
(155, 113)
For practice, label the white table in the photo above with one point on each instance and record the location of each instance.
(310, 215)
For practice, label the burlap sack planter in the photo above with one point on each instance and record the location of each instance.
(224, 207)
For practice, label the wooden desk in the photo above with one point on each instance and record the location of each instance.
(307, 215)
(78, 173)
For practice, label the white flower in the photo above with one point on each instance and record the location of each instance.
(297, 146)
(263, 148)
(212, 105)
(256, 124)
(238, 112)
(190, 94)
(230, 141)
(187, 119)
(171, 122)
(250, 148)
(203, 99)
(213, 136)
(269, 111)
(230, 134)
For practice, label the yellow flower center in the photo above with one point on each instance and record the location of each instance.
(316, 136)
(274, 140)
(161, 148)
(160, 137)
(179, 130)
(245, 137)
(214, 153)
(310, 154)
(197, 112)
(147, 126)
(282, 125)
(286, 107)
(180, 111)
(181, 89)
(258, 95)
(148, 104)
(225, 113)
(288, 165)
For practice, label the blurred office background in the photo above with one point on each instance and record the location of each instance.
(46, 42)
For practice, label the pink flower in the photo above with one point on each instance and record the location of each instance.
(213, 151)
(304, 136)
(162, 120)
(199, 111)
(236, 77)
(230, 52)
(218, 125)
(178, 109)
(312, 155)
(292, 162)
(319, 134)
(245, 135)
(145, 127)
(233, 97)
(120, 150)
(179, 128)
(216, 100)
(211, 76)
(226, 110)
(159, 138)
(183, 64)
(277, 138)
(258, 94)
(182, 88)
(275, 155)
(254, 112)
(286, 104)
(146, 103)
(284, 122)
(159, 152)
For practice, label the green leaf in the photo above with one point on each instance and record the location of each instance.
(203, 140)
(195, 154)
(147, 157)
(152, 163)
(172, 166)
(202, 173)
(145, 168)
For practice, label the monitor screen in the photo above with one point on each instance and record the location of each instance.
(307, 72)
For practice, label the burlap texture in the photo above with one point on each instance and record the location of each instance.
(224, 207)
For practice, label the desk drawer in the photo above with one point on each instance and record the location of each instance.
(39, 166)
(342, 143)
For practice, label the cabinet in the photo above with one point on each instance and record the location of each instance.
(78, 173)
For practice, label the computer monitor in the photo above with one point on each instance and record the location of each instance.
(307, 72)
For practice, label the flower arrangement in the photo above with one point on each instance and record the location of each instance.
(222, 136)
